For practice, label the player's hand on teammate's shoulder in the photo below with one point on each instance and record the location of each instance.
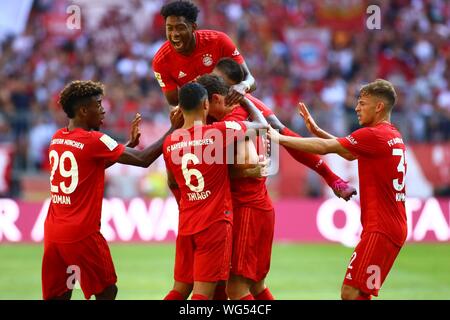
(135, 133)
(236, 93)
(176, 118)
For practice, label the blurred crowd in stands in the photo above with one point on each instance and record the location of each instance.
(118, 39)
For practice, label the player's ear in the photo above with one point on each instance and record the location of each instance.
(83, 110)
(381, 106)
(206, 105)
(194, 26)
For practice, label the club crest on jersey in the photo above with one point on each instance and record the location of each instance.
(207, 60)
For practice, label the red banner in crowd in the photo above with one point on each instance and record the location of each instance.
(341, 14)
(331, 220)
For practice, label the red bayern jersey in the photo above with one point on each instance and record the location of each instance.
(196, 157)
(381, 168)
(77, 160)
(249, 192)
(173, 69)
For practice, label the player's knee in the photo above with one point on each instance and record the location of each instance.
(236, 289)
(182, 288)
(257, 288)
(349, 293)
(233, 292)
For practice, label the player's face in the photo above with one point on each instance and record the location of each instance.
(217, 107)
(180, 34)
(366, 110)
(95, 113)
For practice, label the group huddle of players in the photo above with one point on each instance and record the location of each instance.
(226, 217)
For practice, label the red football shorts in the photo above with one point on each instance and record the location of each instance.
(252, 242)
(88, 260)
(371, 262)
(204, 256)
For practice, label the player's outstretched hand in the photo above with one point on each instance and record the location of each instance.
(176, 118)
(309, 121)
(273, 135)
(135, 133)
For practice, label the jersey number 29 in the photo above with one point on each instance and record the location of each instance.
(58, 162)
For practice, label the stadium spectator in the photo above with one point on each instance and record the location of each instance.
(380, 151)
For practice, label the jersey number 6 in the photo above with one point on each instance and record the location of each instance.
(188, 173)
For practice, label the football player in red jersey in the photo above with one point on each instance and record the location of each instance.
(253, 225)
(232, 73)
(195, 160)
(380, 151)
(79, 155)
(189, 53)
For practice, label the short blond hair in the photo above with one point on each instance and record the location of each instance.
(382, 89)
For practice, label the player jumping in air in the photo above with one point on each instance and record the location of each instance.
(232, 73)
(189, 53)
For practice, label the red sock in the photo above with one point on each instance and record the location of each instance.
(310, 160)
(197, 296)
(247, 297)
(220, 293)
(363, 296)
(264, 295)
(174, 295)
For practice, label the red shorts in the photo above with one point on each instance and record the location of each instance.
(252, 242)
(371, 262)
(204, 256)
(88, 260)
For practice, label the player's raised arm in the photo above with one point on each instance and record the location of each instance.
(312, 145)
(258, 120)
(144, 158)
(311, 125)
(238, 90)
(135, 134)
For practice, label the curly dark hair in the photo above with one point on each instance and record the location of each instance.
(213, 84)
(78, 92)
(181, 8)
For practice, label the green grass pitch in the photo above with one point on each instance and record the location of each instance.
(298, 271)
